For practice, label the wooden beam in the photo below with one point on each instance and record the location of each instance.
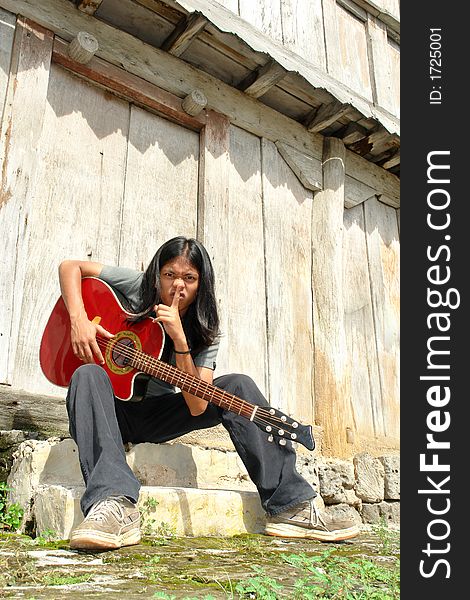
(331, 379)
(89, 6)
(326, 115)
(393, 161)
(307, 168)
(353, 132)
(128, 86)
(262, 79)
(356, 192)
(184, 33)
(378, 140)
(227, 21)
(33, 412)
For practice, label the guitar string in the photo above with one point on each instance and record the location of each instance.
(131, 353)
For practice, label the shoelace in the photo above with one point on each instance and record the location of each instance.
(103, 508)
(314, 518)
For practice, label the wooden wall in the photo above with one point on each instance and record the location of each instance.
(346, 39)
(87, 174)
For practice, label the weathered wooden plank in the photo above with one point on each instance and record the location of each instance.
(393, 161)
(140, 21)
(332, 376)
(380, 55)
(307, 168)
(261, 80)
(265, 15)
(177, 77)
(213, 214)
(354, 8)
(75, 205)
(184, 33)
(387, 10)
(226, 22)
(231, 5)
(359, 328)
(89, 6)
(330, 24)
(353, 133)
(158, 152)
(326, 115)
(7, 32)
(354, 61)
(33, 412)
(20, 131)
(378, 144)
(128, 86)
(384, 270)
(302, 30)
(287, 233)
(356, 192)
(244, 291)
(373, 176)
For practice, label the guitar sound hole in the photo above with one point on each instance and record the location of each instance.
(121, 355)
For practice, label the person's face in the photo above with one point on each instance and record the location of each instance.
(180, 274)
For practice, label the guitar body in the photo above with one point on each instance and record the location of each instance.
(58, 362)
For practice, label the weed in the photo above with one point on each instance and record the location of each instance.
(46, 537)
(66, 579)
(389, 539)
(11, 513)
(332, 576)
(259, 586)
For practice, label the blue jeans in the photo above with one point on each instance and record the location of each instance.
(100, 424)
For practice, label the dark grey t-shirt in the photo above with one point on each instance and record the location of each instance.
(126, 282)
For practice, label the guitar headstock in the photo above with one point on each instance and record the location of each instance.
(281, 428)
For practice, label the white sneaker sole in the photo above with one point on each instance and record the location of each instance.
(99, 540)
(294, 531)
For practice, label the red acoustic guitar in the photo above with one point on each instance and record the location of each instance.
(133, 355)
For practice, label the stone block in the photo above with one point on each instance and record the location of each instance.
(369, 478)
(181, 511)
(370, 513)
(55, 462)
(343, 511)
(391, 466)
(336, 478)
(390, 511)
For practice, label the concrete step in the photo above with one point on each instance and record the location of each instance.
(165, 510)
(190, 490)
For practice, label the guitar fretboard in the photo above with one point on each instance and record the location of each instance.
(191, 384)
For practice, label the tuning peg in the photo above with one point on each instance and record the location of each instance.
(270, 438)
(282, 442)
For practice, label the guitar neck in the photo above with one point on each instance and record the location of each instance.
(193, 385)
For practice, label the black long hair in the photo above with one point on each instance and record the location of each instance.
(201, 321)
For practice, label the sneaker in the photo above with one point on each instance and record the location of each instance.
(306, 521)
(110, 524)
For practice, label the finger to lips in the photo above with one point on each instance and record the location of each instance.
(177, 296)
